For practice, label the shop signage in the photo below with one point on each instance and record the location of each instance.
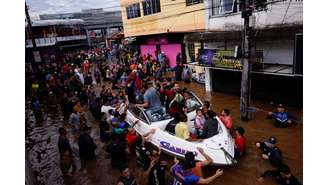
(153, 41)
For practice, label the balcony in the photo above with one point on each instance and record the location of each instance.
(50, 41)
(277, 13)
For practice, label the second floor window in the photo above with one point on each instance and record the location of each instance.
(221, 7)
(151, 7)
(192, 2)
(133, 11)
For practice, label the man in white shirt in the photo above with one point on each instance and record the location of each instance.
(105, 108)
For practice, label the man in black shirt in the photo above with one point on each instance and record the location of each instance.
(283, 176)
(87, 147)
(126, 177)
(269, 151)
(66, 153)
(129, 91)
(210, 125)
(155, 171)
(117, 151)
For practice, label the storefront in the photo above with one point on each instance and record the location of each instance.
(169, 44)
(276, 64)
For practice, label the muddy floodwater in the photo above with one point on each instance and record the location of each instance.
(43, 152)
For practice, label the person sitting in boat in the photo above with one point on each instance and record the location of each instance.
(206, 107)
(240, 142)
(210, 125)
(181, 129)
(269, 151)
(226, 119)
(281, 117)
(199, 122)
(151, 97)
(170, 127)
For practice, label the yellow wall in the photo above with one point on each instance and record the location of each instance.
(175, 16)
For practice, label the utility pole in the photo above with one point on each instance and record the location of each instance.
(30, 31)
(246, 61)
(29, 26)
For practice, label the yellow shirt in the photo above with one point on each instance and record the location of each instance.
(181, 130)
(35, 86)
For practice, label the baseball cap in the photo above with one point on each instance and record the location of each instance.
(281, 105)
(272, 140)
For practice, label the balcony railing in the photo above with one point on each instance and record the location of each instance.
(50, 41)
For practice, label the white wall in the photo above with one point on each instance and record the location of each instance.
(274, 51)
(221, 45)
(277, 51)
(273, 16)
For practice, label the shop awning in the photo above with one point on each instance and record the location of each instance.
(281, 31)
(116, 36)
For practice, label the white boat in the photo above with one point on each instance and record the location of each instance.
(219, 147)
(199, 77)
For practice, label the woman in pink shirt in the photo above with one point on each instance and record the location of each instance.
(226, 119)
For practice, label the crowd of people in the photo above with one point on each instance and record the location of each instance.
(106, 82)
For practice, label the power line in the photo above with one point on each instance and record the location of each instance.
(282, 22)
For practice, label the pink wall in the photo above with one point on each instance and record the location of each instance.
(171, 51)
(145, 49)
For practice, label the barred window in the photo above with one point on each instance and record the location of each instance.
(192, 2)
(151, 7)
(220, 7)
(133, 11)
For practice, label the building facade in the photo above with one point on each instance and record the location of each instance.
(53, 35)
(99, 24)
(278, 33)
(160, 25)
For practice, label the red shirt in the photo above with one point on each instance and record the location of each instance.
(227, 121)
(240, 142)
(130, 139)
(86, 67)
(65, 69)
(197, 170)
(169, 94)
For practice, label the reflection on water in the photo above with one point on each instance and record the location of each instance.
(42, 150)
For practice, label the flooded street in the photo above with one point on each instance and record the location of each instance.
(42, 149)
(98, 72)
(44, 155)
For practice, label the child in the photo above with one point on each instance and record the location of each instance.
(199, 122)
(240, 142)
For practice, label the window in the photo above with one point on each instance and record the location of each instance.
(192, 2)
(155, 114)
(151, 7)
(191, 51)
(133, 11)
(136, 111)
(192, 102)
(221, 7)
